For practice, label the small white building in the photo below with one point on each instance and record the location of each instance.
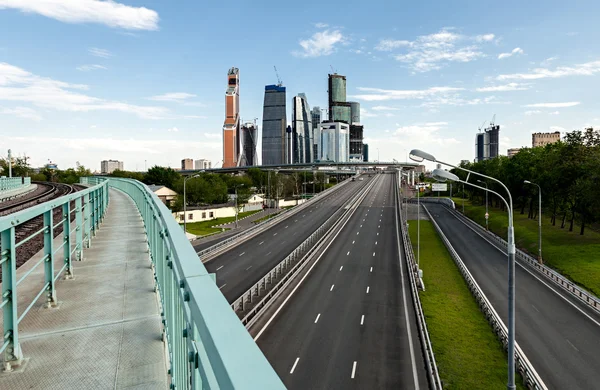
(165, 194)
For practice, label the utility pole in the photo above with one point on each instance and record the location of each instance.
(9, 163)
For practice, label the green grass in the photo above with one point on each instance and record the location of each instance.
(205, 227)
(467, 352)
(569, 253)
(265, 217)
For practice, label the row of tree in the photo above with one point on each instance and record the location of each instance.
(21, 167)
(568, 173)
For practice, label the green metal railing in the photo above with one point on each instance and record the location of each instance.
(12, 183)
(208, 346)
(86, 208)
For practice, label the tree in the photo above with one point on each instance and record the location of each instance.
(127, 175)
(161, 176)
(20, 167)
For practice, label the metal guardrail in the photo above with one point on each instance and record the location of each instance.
(289, 267)
(208, 348)
(559, 280)
(207, 253)
(90, 205)
(13, 183)
(530, 376)
(431, 365)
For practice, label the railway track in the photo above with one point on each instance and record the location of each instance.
(50, 191)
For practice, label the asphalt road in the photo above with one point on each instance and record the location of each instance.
(560, 338)
(241, 267)
(346, 326)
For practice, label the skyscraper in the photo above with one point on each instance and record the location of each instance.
(248, 140)
(354, 112)
(339, 109)
(487, 143)
(302, 123)
(335, 141)
(365, 152)
(231, 128)
(316, 121)
(356, 142)
(274, 126)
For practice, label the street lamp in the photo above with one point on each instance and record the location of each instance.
(539, 220)
(443, 175)
(184, 200)
(487, 215)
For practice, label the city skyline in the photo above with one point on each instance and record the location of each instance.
(142, 90)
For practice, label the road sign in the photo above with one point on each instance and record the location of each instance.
(439, 187)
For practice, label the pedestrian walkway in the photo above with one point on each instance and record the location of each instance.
(106, 331)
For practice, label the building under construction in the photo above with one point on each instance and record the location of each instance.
(248, 140)
(231, 128)
(487, 143)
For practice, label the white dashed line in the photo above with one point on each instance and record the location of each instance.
(362, 319)
(331, 289)
(357, 233)
(242, 254)
(248, 268)
(275, 234)
(342, 267)
(536, 309)
(572, 345)
(294, 366)
(353, 370)
(378, 226)
(360, 225)
(371, 269)
(317, 319)
(377, 233)
(347, 254)
(367, 289)
(268, 253)
(223, 286)
(260, 243)
(375, 242)
(352, 242)
(220, 267)
(286, 227)
(373, 254)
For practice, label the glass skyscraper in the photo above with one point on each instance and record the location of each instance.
(274, 126)
(302, 122)
(335, 141)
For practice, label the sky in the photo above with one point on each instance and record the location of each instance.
(143, 81)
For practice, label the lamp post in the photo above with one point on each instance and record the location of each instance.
(185, 201)
(539, 220)
(487, 215)
(419, 155)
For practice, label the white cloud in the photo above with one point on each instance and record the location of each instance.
(516, 50)
(321, 25)
(555, 113)
(172, 97)
(385, 108)
(553, 105)
(87, 68)
(532, 112)
(173, 130)
(557, 128)
(97, 52)
(425, 134)
(456, 100)
(505, 88)
(213, 135)
(366, 114)
(322, 43)
(430, 52)
(17, 84)
(586, 69)
(547, 61)
(377, 94)
(22, 112)
(109, 13)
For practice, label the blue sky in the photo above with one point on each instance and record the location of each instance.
(143, 81)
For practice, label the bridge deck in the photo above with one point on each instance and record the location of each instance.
(105, 333)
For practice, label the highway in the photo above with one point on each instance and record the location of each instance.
(239, 268)
(347, 326)
(559, 336)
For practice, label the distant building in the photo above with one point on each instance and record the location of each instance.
(365, 152)
(335, 141)
(356, 142)
(187, 163)
(302, 130)
(109, 166)
(512, 151)
(248, 140)
(231, 127)
(420, 169)
(315, 114)
(339, 109)
(543, 139)
(354, 113)
(165, 194)
(487, 143)
(274, 125)
(202, 164)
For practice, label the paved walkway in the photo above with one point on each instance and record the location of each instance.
(105, 333)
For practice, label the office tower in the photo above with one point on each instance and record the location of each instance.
(202, 164)
(356, 142)
(248, 140)
(365, 152)
(109, 166)
(289, 145)
(335, 141)
(543, 139)
(302, 122)
(187, 163)
(354, 112)
(339, 109)
(315, 116)
(317, 143)
(231, 128)
(487, 143)
(316, 121)
(274, 126)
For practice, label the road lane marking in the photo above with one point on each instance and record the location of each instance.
(286, 227)
(260, 243)
(378, 233)
(371, 269)
(242, 254)
(248, 268)
(268, 253)
(378, 226)
(294, 366)
(536, 309)
(353, 370)
(373, 254)
(347, 254)
(296, 220)
(342, 267)
(367, 289)
(357, 233)
(375, 242)
(223, 286)
(331, 289)
(220, 267)
(362, 319)
(317, 319)
(572, 345)
(274, 234)
(282, 242)
(363, 220)
(360, 225)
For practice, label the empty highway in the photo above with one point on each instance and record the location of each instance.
(242, 266)
(560, 338)
(351, 324)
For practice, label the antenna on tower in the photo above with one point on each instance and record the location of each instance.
(333, 70)
(279, 82)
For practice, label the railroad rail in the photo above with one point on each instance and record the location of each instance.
(52, 191)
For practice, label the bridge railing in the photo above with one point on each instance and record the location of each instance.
(12, 183)
(83, 208)
(208, 346)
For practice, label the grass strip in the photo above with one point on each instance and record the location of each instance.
(265, 217)
(468, 354)
(574, 256)
(206, 227)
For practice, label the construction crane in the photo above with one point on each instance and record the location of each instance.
(333, 70)
(482, 126)
(279, 82)
(493, 121)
